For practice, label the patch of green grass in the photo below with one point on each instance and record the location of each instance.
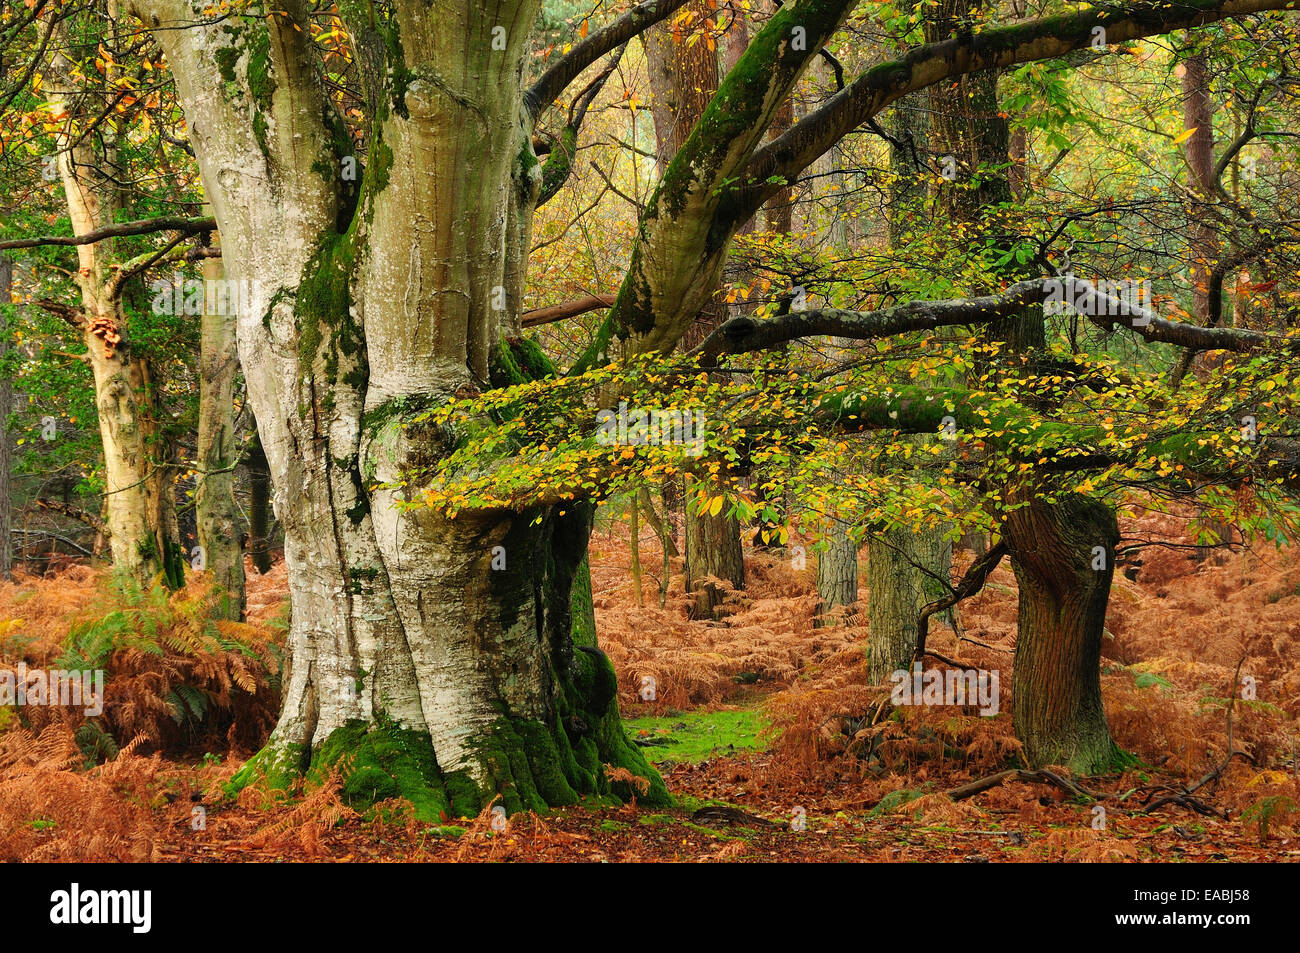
(741, 833)
(655, 820)
(694, 736)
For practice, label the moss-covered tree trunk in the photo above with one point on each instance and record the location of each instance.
(1063, 555)
(439, 652)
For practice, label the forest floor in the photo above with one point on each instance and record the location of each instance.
(760, 720)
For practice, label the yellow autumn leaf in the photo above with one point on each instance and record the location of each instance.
(1185, 135)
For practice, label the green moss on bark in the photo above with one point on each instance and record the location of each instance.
(384, 761)
(276, 766)
(518, 360)
(324, 310)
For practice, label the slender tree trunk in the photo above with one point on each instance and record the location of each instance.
(662, 528)
(1202, 241)
(259, 506)
(139, 494)
(1063, 555)
(1198, 115)
(216, 514)
(636, 552)
(6, 408)
(683, 77)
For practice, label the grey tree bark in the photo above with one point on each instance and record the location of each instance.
(6, 408)
(430, 648)
(837, 575)
(217, 514)
(901, 570)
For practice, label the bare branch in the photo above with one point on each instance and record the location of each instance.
(744, 334)
(568, 309)
(140, 227)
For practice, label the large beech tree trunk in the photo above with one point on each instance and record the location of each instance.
(1056, 549)
(444, 665)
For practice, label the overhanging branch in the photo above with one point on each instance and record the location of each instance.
(141, 227)
(745, 334)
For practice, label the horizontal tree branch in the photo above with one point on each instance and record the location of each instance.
(141, 227)
(1051, 446)
(73, 512)
(567, 309)
(744, 334)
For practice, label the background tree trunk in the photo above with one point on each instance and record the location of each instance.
(683, 78)
(1198, 115)
(216, 513)
(259, 506)
(900, 561)
(712, 550)
(6, 408)
(139, 494)
(899, 587)
(837, 573)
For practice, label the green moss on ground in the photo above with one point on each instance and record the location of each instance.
(694, 736)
